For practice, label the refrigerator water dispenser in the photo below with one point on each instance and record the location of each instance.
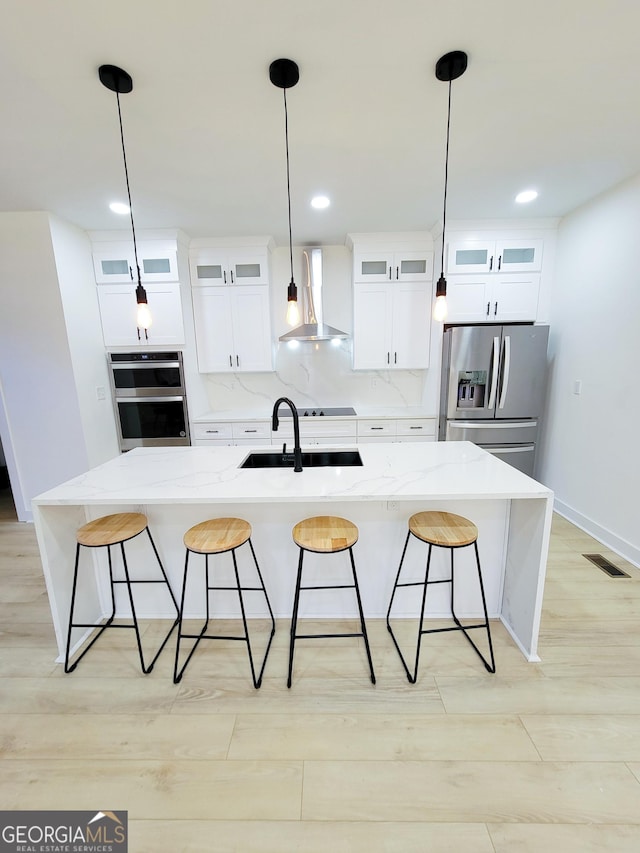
(471, 389)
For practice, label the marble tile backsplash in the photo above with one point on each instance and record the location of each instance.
(315, 374)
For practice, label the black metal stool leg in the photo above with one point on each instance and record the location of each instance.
(362, 624)
(146, 670)
(422, 609)
(73, 624)
(177, 673)
(490, 667)
(294, 617)
(273, 621)
(256, 684)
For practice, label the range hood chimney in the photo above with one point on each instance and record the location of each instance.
(313, 328)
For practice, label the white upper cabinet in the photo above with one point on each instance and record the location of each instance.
(220, 267)
(494, 256)
(233, 329)
(392, 285)
(118, 309)
(114, 263)
(115, 274)
(231, 306)
(392, 326)
(378, 266)
(503, 298)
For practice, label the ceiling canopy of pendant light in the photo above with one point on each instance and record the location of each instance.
(119, 81)
(449, 67)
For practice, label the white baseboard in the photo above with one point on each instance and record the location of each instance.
(625, 549)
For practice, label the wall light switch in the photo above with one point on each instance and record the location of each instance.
(100, 392)
(577, 386)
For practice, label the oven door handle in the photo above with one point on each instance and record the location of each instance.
(143, 365)
(145, 399)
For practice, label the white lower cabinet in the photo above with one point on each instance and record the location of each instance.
(228, 433)
(498, 298)
(392, 326)
(402, 429)
(233, 329)
(314, 431)
(329, 431)
(118, 309)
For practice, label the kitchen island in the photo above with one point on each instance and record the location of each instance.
(178, 487)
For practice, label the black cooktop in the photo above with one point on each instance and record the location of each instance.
(320, 411)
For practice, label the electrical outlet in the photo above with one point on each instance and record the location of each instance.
(101, 394)
(577, 386)
(392, 505)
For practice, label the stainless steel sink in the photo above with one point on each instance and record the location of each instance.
(310, 459)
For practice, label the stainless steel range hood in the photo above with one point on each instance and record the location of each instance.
(310, 296)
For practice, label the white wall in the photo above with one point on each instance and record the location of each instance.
(589, 453)
(40, 425)
(72, 253)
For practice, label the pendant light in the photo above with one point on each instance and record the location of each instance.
(121, 83)
(284, 74)
(449, 67)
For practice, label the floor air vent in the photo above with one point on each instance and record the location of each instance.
(606, 566)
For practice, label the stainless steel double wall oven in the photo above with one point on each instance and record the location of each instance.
(150, 399)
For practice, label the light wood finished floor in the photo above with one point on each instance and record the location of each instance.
(540, 757)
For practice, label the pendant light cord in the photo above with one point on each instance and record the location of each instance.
(286, 143)
(126, 175)
(446, 180)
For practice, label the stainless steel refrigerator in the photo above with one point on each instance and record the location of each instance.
(492, 389)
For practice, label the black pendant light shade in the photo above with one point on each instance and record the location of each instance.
(284, 73)
(449, 67)
(119, 81)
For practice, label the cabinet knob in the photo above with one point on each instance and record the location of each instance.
(397, 273)
(499, 261)
(488, 306)
(230, 362)
(495, 309)
(491, 263)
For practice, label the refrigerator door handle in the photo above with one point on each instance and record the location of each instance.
(494, 373)
(506, 368)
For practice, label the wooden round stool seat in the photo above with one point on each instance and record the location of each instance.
(217, 535)
(325, 534)
(443, 528)
(111, 529)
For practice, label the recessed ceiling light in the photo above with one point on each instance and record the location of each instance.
(320, 202)
(119, 207)
(526, 195)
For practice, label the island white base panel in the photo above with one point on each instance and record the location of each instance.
(512, 542)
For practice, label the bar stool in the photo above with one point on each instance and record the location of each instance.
(442, 530)
(219, 536)
(105, 532)
(326, 534)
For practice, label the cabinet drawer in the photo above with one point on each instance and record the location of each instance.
(418, 427)
(323, 428)
(378, 429)
(212, 430)
(251, 429)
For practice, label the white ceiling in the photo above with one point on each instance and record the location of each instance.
(551, 100)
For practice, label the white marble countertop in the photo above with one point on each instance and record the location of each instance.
(390, 471)
(361, 412)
